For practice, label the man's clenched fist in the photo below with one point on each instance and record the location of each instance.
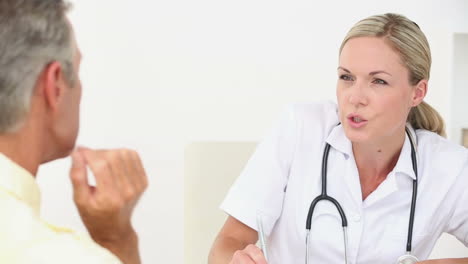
(106, 209)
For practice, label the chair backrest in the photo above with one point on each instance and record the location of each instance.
(210, 170)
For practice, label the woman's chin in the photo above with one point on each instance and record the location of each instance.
(357, 136)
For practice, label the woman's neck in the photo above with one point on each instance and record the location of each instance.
(376, 160)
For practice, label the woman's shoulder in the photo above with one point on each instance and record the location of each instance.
(428, 140)
(314, 120)
(320, 115)
(316, 108)
(440, 153)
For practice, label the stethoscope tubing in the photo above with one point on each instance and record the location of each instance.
(325, 197)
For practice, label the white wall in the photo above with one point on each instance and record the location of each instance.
(460, 85)
(159, 74)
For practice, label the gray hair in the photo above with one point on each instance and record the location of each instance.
(33, 33)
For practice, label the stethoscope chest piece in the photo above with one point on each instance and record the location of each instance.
(407, 259)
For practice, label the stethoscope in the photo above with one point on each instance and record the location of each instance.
(408, 258)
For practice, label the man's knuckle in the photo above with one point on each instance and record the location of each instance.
(145, 183)
(101, 164)
(114, 155)
(129, 193)
(135, 155)
(123, 152)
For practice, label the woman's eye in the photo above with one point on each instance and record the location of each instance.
(346, 77)
(380, 81)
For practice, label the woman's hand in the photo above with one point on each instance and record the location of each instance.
(250, 255)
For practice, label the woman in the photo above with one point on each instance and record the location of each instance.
(383, 75)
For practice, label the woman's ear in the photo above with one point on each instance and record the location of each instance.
(419, 92)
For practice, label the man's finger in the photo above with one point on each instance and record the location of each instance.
(79, 176)
(101, 171)
(133, 177)
(137, 166)
(119, 170)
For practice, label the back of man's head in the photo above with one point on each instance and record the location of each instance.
(33, 33)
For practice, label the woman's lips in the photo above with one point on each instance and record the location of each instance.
(356, 121)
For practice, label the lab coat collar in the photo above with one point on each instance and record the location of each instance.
(17, 182)
(338, 140)
(404, 164)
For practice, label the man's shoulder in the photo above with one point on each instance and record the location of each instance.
(26, 238)
(64, 247)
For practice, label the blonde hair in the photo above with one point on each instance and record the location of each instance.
(405, 37)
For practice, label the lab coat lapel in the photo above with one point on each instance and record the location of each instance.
(390, 185)
(338, 140)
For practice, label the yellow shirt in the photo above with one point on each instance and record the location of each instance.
(27, 239)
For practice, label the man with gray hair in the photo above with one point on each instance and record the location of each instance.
(40, 93)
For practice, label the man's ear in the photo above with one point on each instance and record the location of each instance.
(419, 93)
(51, 84)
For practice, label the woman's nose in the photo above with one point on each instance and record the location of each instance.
(357, 95)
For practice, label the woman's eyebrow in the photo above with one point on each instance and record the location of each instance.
(344, 69)
(371, 73)
(377, 72)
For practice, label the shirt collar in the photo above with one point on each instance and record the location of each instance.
(338, 140)
(19, 183)
(405, 163)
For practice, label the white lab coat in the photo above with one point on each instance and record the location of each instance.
(283, 177)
